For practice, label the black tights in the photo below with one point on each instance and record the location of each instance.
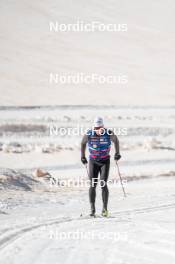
(96, 167)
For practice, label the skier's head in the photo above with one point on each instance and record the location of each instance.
(98, 125)
(98, 122)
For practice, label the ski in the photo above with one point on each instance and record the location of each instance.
(95, 216)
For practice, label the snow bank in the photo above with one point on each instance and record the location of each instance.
(16, 180)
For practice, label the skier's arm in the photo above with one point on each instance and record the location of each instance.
(115, 140)
(83, 145)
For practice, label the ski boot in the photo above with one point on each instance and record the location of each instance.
(104, 213)
(92, 213)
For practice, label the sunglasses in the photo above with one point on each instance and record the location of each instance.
(97, 128)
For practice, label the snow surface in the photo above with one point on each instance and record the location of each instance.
(48, 228)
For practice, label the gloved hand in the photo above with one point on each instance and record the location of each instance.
(84, 160)
(117, 156)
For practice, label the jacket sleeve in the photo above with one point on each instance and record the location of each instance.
(83, 145)
(115, 140)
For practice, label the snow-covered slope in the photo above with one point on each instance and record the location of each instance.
(29, 52)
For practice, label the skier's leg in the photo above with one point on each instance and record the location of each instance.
(93, 175)
(104, 173)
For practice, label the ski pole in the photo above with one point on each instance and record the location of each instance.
(121, 182)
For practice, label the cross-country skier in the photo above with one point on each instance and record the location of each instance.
(99, 143)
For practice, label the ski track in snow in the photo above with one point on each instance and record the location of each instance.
(9, 238)
(150, 236)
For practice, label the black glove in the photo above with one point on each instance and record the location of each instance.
(117, 156)
(84, 160)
